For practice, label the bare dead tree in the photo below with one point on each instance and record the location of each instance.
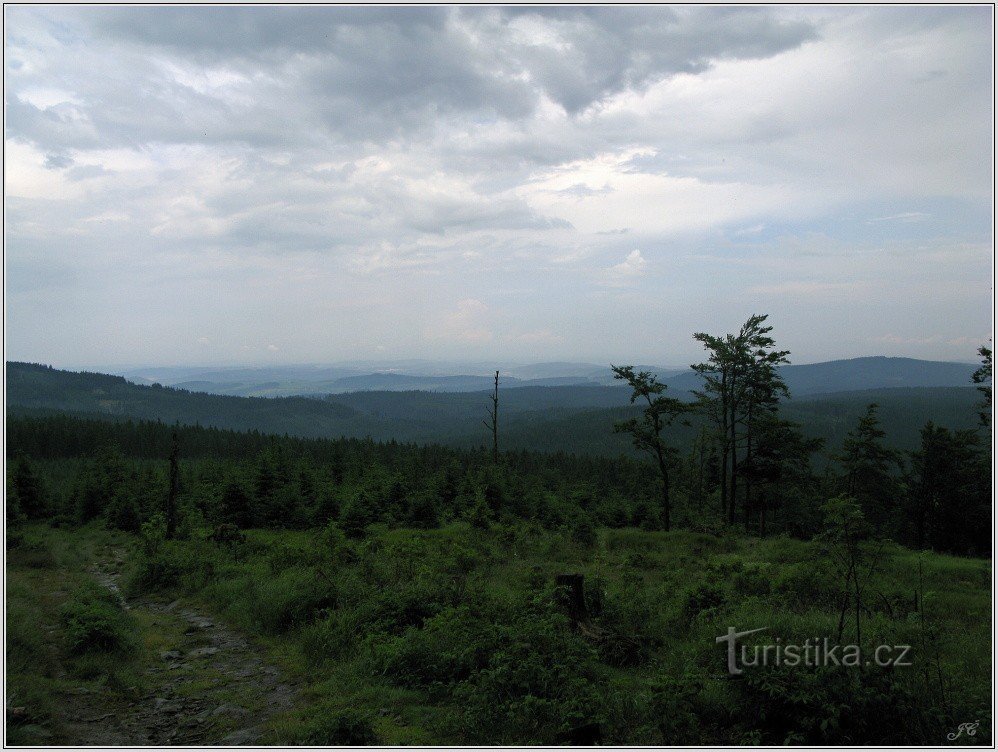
(493, 422)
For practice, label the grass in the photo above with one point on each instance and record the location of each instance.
(64, 631)
(454, 635)
(341, 613)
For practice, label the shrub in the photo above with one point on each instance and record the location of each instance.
(393, 611)
(626, 634)
(122, 512)
(584, 532)
(541, 680)
(703, 597)
(674, 704)
(327, 638)
(93, 621)
(291, 599)
(807, 585)
(346, 728)
(449, 648)
(161, 571)
(751, 580)
(829, 705)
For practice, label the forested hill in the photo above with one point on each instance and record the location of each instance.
(575, 419)
(41, 387)
(289, 381)
(857, 374)
(404, 416)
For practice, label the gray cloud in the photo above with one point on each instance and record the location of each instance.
(242, 167)
(371, 73)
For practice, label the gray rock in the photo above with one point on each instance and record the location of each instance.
(241, 736)
(229, 710)
(162, 705)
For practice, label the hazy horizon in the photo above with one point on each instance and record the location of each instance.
(261, 185)
(447, 366)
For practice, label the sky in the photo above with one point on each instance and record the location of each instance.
(279, 185)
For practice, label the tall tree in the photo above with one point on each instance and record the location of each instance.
(741, 384)
(778, 469)
(646, 431)
(28, 490)
(983, 376)
(713, 401)
(763, 387)
(950, 492)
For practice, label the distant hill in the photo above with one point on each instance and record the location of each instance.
(857, 373)
(36, 386)
(405, 416)
(569, 418)
(288, 381)
(240, 383)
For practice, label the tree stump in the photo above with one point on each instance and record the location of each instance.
(571, 593)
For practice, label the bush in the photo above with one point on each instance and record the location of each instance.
(291, 599)
(829, 705)
(34, 554)
(161, 571)
(345, 728)
(328, 638)
(584, 532)
(542, 680)
(122, 512)
(93, 621)
(392, 612)
(449, 648)
(626, 633)
(703, 597)
(751, 580)
(674, 706)
(807, 585)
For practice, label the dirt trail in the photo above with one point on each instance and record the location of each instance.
(212, 687)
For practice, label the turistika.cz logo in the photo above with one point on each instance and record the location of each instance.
(811, 652)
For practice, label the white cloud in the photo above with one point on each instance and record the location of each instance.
(627, 270)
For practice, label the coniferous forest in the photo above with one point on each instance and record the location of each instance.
(429, 594)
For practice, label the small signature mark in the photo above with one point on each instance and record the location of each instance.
(969, 728)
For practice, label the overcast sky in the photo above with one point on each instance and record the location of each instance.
(290, 185)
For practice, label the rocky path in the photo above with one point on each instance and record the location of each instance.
(210, 686)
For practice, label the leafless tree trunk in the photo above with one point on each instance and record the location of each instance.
(493, 422)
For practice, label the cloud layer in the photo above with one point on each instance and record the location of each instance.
(261, 184)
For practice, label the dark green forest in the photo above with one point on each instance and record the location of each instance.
(573, 419)
(505, 594)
